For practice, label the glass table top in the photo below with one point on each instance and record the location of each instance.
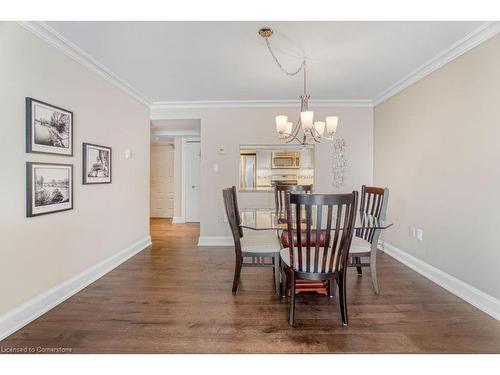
(270, 219)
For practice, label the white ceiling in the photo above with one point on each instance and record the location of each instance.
(205, 61)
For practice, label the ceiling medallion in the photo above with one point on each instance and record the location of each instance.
(305, 129)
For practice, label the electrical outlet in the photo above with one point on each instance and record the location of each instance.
(420, 234)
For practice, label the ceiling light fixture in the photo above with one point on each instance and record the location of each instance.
(311, 130)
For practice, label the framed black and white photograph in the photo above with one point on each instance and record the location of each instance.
(49, 188)
(49, 129)
(96, 164)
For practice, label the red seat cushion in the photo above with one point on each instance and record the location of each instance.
(286, 242)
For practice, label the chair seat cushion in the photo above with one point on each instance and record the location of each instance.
(265, 243)
(359, 245)
(285, 257)
(285, 240)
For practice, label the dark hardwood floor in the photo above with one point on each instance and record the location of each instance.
(176, 298)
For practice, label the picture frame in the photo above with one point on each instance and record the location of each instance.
(49, 129)
(49, 188)
(97, 164)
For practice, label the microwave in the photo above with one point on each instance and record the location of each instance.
(285, 160)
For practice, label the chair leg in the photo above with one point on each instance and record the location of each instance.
(358, 261)
(237, 272)
(276, 269)
(331, 288)
(291, 319)
(343, 298)
(283, 283)
(373, 271)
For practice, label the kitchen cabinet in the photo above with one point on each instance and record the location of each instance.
(263, 159)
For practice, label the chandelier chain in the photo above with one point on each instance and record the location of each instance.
(302, 65)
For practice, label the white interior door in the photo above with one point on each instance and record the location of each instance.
(170, 183)
(192, 193)
(162, 181)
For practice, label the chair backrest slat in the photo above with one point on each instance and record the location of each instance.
(308, 235)
(336, 237)
(299, 234)
(333, 257)
(326, 246)
(319, 213)
(289, 220)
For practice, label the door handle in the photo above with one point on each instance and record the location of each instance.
(193, 186)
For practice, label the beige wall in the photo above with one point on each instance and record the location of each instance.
(41, 252)
(437, 148)
(230, 127)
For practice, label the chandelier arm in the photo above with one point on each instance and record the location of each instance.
(292, 138)
(314, 135)
(295, 132)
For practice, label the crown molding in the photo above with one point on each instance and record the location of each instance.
(473, 39)
(204, 104)
(53, 38)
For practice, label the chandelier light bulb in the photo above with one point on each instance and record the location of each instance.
(320, 127)
(288, 128)
(331, 124)
(306, 119)
(281, 122)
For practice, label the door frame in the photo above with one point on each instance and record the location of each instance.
(185, 140)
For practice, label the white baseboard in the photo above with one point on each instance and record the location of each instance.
(18, 317)
(215, 241)
(178, 220)
(483, 301)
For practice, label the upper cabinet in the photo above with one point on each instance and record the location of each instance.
(263, 159)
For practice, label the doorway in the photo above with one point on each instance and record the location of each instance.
(192, 180)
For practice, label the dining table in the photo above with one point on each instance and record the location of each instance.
(260, 219)
(270, 219)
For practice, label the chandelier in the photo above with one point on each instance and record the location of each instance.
(305, 129)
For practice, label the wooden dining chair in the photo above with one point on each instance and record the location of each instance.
(256, 247)
(327, 262)
(280, 191)
(279, 198)
(364, 244)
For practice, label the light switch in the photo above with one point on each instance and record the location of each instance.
(216, 167)
(128, 153)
